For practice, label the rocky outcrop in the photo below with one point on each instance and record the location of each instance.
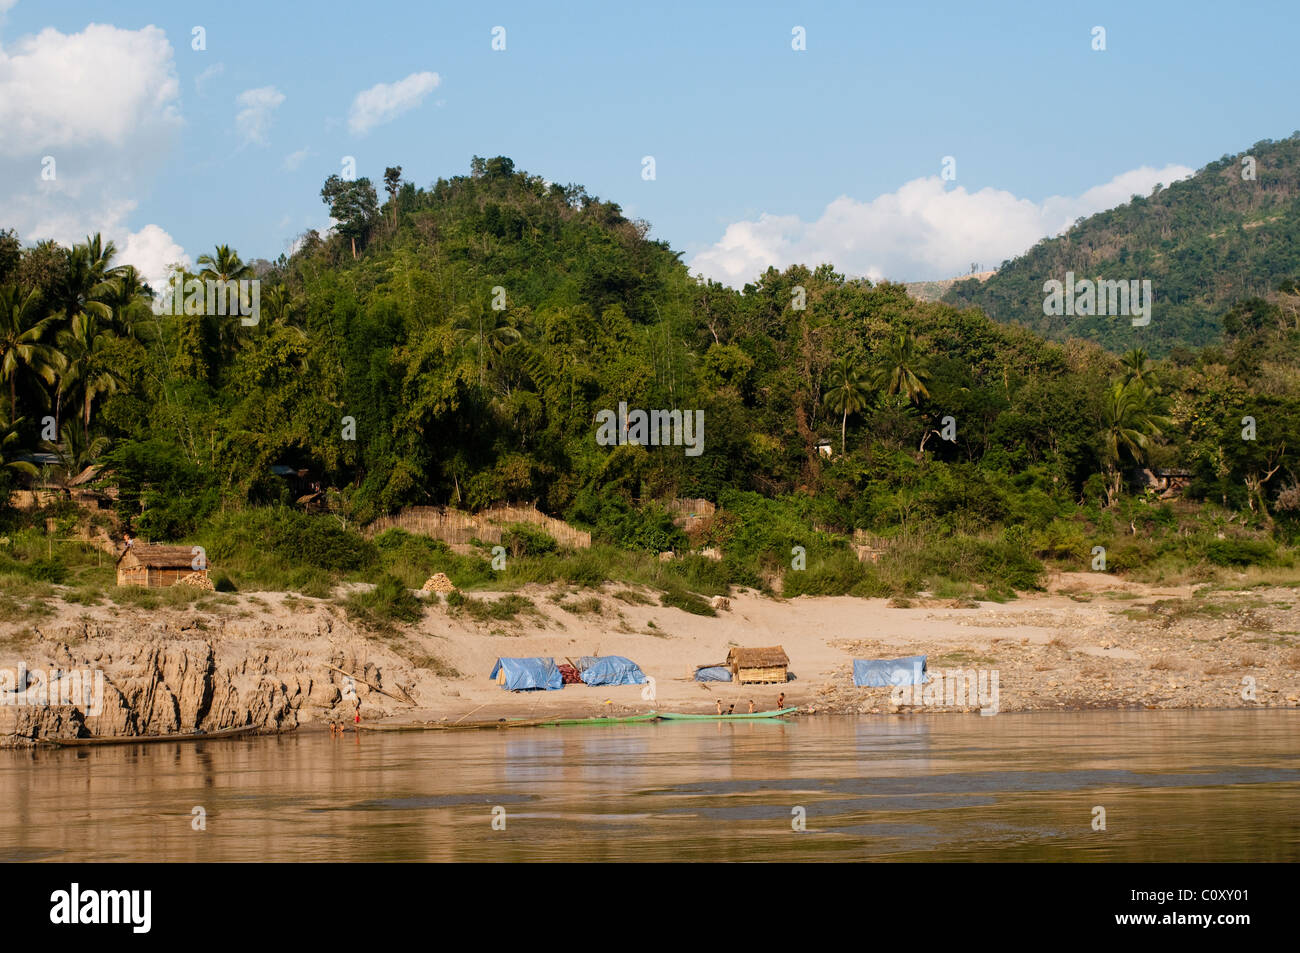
(179, 677)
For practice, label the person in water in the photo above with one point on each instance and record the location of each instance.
(751, 706)
(732, 709)
(719, 706)
(780, 701)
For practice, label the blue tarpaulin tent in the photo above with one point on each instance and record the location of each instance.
(884, 673)
(525, 673)
(713, 673)
(611, 670)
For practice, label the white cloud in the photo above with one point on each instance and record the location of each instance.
(254, 119)
(386, 101)
(93, 88)
(152, 251)
(295, 159)
(209, 74)
(923, 231)
(102, 106)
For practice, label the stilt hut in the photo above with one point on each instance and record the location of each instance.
(758, 665)
(156, 566)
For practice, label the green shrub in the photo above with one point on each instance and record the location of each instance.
(389, 601)
(687, 602)
(1239, 552)
(524, 539)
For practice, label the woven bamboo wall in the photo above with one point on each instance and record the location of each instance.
(774, 673)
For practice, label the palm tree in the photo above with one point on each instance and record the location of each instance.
(22, 347)
(1136, 365)
(76, 451)
(88, 278)
(491, 332)
(849, 393)
(280, 309)
(84, 369)
(1129, 424)
(224, 265)
(900, 370)
(124, 293)
(8, 437)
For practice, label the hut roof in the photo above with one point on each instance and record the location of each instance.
(86, 476)
(158, 557)
(758, 658)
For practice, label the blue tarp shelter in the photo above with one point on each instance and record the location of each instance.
(885, 673)
(611, 670)
(713, 673)
(522, 674)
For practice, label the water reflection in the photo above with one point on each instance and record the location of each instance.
(1175, 786)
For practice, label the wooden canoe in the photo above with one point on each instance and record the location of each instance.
(778, 713)
(508, 723)
(453, 725)
(150, 739)
(603, 720)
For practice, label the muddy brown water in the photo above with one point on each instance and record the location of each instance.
(1175, 786)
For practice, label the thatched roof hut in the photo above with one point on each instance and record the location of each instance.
(759, 665)
(156, 566)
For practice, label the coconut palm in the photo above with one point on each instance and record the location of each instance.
(23, 332)
(88, 278)
(849, 393)
(1130, 422)
(76, 451)
(900, 370)
(85, 373)
(1136, 367)
(124, 294)
(488, 333)
(224, 265)
(280, 310)
(8, 438)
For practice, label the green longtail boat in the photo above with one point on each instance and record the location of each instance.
(673, 716)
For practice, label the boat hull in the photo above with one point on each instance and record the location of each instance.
(742, 716)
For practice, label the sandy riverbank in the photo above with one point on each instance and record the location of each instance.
(1090, 641)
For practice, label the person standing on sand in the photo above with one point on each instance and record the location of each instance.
(719, 706)
(751, 706)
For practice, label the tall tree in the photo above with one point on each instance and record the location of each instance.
(392, 182)
(85, 373)
(900, 370)
(1130, 422)
(353, 205)
(23, 347)
(1136, 368)
(849, 393)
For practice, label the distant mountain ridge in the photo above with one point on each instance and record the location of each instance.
(935, 290)
(1229, 232)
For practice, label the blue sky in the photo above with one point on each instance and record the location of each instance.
(763, 154)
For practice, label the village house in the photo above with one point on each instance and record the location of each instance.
(157, 567)
(759, 665)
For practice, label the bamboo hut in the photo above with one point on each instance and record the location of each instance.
(758, 665)
(156, 567)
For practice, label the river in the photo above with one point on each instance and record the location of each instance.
(1174, 786)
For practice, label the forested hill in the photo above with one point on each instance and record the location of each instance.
(469, 343)
(1205, 243)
